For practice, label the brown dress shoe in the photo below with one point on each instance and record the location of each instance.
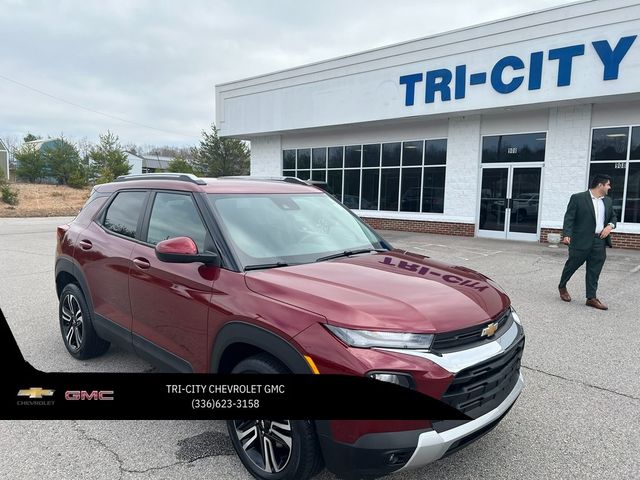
(564, 294)
(595, 303)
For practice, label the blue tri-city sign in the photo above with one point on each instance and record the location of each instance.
(447, 82)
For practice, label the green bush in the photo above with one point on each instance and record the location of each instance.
(78, 179)
(9, 195)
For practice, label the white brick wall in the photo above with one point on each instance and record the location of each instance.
(463, 157)
(566, 162)
(266, 156)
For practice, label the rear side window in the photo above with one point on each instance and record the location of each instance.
(123, 213)
(175, 215)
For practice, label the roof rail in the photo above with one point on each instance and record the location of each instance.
(183, 177)
(267, 179)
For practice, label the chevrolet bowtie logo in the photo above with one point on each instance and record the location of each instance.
(35, 392)
(490, 330)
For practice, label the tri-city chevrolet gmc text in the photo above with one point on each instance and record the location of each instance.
(276, 276)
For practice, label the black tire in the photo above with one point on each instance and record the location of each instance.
(301, 461)
(76, 325)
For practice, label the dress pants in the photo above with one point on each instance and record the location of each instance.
(595, 257)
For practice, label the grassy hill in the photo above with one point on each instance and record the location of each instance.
(37, 200)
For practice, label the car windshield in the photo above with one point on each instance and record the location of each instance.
(273, 230)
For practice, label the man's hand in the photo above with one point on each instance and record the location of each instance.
(605, 232)
(566, 240)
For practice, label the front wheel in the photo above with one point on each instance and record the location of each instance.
(274, 449)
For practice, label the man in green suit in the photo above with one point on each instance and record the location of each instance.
(587, 226)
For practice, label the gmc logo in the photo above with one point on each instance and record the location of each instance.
(84, 395)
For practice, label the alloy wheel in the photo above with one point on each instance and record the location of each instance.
(72, 322)
(267, 443)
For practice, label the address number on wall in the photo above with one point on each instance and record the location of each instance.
(619, 164)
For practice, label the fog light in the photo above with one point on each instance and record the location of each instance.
(396, 458)
(401, 379)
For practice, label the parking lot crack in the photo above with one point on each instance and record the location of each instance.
(164, 467)
(608, 390)
(121, 466)
(88, 437)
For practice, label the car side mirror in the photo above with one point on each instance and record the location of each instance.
(184, 250)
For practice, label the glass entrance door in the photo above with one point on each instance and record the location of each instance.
(510, 202)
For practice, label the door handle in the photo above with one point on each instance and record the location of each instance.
(509, 202)
(85, 244)
(141, 263)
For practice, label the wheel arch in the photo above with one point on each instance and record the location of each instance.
(68, 272)
(239, 340)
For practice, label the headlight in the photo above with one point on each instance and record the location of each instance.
(368, 338)
(515, 316)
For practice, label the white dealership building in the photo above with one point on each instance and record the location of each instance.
(482, 131)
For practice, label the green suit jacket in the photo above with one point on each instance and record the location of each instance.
(580, 220)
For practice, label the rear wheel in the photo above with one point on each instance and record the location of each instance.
(274, 449)
(76, 325)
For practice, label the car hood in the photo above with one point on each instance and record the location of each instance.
(388, 291)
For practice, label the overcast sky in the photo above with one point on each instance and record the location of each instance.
(146, 70)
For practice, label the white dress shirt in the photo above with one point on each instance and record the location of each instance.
(598, 208)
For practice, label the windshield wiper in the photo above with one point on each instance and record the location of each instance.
(348, 253)
(265, 266)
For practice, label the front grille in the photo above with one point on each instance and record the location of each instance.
(448, 341)
(481, 388)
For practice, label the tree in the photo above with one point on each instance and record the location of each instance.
(168, 151)
(62, 160)
(180, 165)
(84, 174)
(12, 143)
(84, 147)
(108, 158)
(30, 164)
(30, 137)
(216, 157)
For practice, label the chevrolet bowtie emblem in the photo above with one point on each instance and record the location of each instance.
(35, 392)
(490, 330)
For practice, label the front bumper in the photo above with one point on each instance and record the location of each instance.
(433, 445)
(377, 454)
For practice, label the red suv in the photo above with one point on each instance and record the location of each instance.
(276, 276)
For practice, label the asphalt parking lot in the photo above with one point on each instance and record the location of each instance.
(578, 417)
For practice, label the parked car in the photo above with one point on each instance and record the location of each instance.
(236, 276)
(526, 206)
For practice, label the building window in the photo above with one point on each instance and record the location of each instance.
(523, 147)
(615, 151)
(289, 160)
(304, 159)
(610, 143)
(394, 177)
